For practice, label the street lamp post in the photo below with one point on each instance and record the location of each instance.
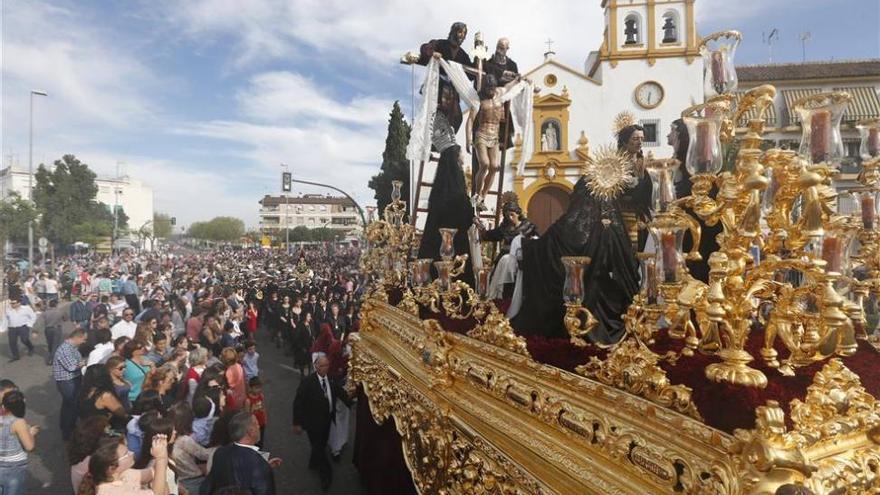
(31, 177)
(286, 213)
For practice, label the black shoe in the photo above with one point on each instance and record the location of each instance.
(14, 359)
(325, 484)
(31, 351)
(336, 458)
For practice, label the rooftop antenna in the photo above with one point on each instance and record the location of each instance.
(768, 40)
(805, 37)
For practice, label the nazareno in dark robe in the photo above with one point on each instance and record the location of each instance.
(448, 207)
(610, 280)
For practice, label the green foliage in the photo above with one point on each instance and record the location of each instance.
(395, 166)
(225, 229)
(162, 225)
(320, 234)
(15, 214)
(65, 197)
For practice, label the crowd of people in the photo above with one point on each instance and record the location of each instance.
(156, 364)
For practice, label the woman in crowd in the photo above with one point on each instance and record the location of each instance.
(252, 315)
(190, 459)
(163, 427)
(302, 343)
(161, 380)
(16, 440)
(85, 440)
(137, 366)
(235, 380)
(98, 397)
(116, 366)
(198, 360)
(111, 471)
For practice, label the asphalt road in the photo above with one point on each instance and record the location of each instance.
(48, 471)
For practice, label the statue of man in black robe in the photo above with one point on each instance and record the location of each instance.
(449, 49)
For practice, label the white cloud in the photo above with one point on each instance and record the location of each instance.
(356, 34)
(276, 96)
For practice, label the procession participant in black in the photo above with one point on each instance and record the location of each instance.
(450, 49)
(314, 408)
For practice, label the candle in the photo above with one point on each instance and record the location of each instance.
(874, 141)
(704, 145)
(669, 256)
(667, 189)
(832, 253)
(574, 283)
(651, 281)
(868, 213)
(820, 135)
(717, 68)
(483, 281)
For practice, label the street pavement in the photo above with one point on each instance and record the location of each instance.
(49, 473)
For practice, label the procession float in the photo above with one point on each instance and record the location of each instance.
(760, 379)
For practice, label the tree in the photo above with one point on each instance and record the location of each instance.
(162, 225)
(395, 166)
(15, 214)
(65, 199)
(326, 234)
(224, 229)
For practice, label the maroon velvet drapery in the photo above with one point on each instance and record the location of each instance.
(378, 454)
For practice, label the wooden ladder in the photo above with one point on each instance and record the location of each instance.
(423, 186)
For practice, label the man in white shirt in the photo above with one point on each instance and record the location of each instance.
(19, 320)
(124, 327)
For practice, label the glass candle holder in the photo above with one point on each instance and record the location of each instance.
(447, 243)
(649, 283)
(718, 51)
(668, 237)
(443, 269)
(835, 250)
(820, 116)
(704, 130)
(420, 272)
(869, 208)
(869, 147)
(395, 190)
(573, 290)
(662, 172)
(482, 281)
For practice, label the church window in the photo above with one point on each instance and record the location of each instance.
(652, 127)
(670, 27)
(632, 28)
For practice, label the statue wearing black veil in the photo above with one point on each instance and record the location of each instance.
(592, 226)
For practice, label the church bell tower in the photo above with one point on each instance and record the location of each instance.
(649, 30)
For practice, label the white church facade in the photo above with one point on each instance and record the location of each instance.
(648, 64)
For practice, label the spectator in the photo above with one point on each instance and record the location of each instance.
(16, 440)
(103, 347)
(161, 380)
(254, 404)
(235, 379)
(85, 440)
(136, 367)
(52, 319)
(66, 367)
(203, 412)
(190, 459)
(80, 312)
(19, 320)
(126, 326)
(117, 306)
(121, 387)
(240, 463)
(160, 351)
(252, 316)
(111, 472)
(98, 397)
(198, 360)
(250, 362)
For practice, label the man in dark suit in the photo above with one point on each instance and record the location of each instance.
(240, 463)
(314, 408)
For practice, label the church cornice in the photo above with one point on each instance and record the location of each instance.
(564, 68)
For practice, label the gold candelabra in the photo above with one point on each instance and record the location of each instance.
(783, 264)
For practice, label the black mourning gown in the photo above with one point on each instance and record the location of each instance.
(708, 233)
(448, 207)
(610, 280)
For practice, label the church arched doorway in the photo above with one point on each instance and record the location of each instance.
(546, 206)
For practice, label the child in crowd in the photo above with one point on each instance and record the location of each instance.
(254, 404)
(203, 410)
(250, 361)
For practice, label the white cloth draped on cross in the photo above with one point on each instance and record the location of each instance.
(520, 97)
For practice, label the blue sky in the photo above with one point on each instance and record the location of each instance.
(204, 99)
